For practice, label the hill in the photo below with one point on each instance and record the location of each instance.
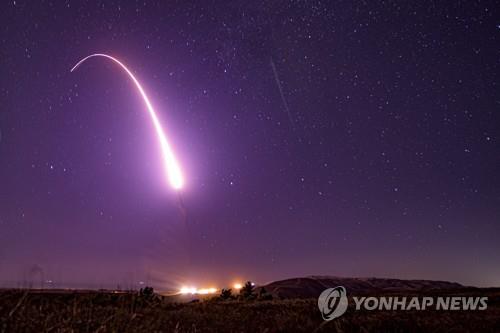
(312, 286)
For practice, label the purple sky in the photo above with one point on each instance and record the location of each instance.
(379, 157)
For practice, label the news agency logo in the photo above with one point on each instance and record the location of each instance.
(333, 302)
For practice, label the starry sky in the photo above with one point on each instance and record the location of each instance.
(344, 138)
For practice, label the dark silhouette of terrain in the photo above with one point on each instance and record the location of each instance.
(312, 286)
(293, 307)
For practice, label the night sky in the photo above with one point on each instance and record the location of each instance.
(316, 138)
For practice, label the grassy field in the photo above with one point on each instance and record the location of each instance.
(23, 311)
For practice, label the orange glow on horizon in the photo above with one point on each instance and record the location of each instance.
(196, 291)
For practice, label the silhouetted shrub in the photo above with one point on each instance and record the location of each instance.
(247, 291)
(147, 292)
(226, 294)
(264, 295)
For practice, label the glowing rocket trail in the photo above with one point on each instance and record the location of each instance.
(172, 167)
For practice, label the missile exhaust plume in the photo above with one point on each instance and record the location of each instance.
(172, 168)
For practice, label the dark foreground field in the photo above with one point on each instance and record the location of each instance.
(23, 311)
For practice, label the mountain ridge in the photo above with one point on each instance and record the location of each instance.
(313, 285)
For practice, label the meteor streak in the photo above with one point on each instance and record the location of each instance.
(278, 83)
(172, 167)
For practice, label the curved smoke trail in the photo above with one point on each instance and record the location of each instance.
(172, 166)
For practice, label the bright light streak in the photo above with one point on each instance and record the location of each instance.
(207, 291)
(173, 170)
(237, 286)
(196, 291)
(187, 290)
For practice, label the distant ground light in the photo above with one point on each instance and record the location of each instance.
(196, 291)
(192, 290)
